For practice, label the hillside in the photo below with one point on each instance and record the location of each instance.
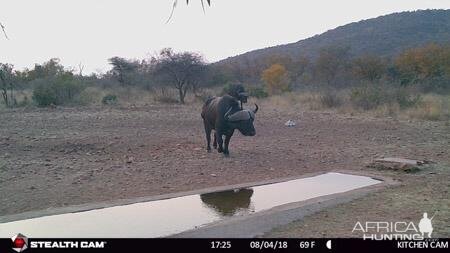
(384, 36)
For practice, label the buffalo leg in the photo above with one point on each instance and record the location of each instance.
(227, 142)
(215, 141)
(219, 141)
(208, 137)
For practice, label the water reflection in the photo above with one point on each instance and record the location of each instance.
(169, 216)
(228, 203)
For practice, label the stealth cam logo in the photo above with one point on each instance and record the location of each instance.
(20, 242)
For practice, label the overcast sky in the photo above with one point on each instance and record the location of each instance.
(91, 31)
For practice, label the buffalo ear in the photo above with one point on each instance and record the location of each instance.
(256, 108)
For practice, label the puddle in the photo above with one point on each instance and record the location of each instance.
(170, 216)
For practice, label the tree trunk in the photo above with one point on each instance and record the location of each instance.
(12, 99)
(182, 94)
(5, 96)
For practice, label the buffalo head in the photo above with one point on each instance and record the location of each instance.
(242, 120)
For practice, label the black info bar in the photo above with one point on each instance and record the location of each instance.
(221, 245)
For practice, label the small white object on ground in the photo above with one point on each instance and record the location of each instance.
(289, 123)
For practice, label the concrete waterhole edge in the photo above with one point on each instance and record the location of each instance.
(246, 226)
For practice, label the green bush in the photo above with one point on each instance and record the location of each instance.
(257, 92)
(60, 90)
(109, 99)
(44, 95)
(226, 89)
(367, 98)
(406, 100)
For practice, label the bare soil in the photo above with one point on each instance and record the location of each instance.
(65, 156)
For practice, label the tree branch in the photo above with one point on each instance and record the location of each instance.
(3, 29)
(187, 2)
(173, 9)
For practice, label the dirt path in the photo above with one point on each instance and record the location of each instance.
(65, 156)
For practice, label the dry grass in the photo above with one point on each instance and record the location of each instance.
(23, 98)
(387, 110)
(432, 106)
(125, 96)
(313, 101)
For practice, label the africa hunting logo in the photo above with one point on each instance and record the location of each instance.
(400, 230)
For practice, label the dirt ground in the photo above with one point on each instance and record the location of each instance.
(65, 156)
(425, 191)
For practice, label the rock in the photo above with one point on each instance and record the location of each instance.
(129, 159)
(402, 164)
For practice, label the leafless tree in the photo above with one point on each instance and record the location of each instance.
(7, 83)
(181, 70)
(80, 69)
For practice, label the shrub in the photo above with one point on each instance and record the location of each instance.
(109, 99)
(428, 111)
(257, 92)
(406, 100)
(90, 95)
(432, 107)
(230, 88)
(370, 97)
(276, 78)
(203, 96)
(24, 102)
(166, 96)
(366, 98)
(60, 90)
(166, 99)
(44, 95)
(226, 88)
(330, 100)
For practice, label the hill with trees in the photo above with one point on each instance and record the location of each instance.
(387, 36)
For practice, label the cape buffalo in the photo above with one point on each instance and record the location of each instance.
(224, 115)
